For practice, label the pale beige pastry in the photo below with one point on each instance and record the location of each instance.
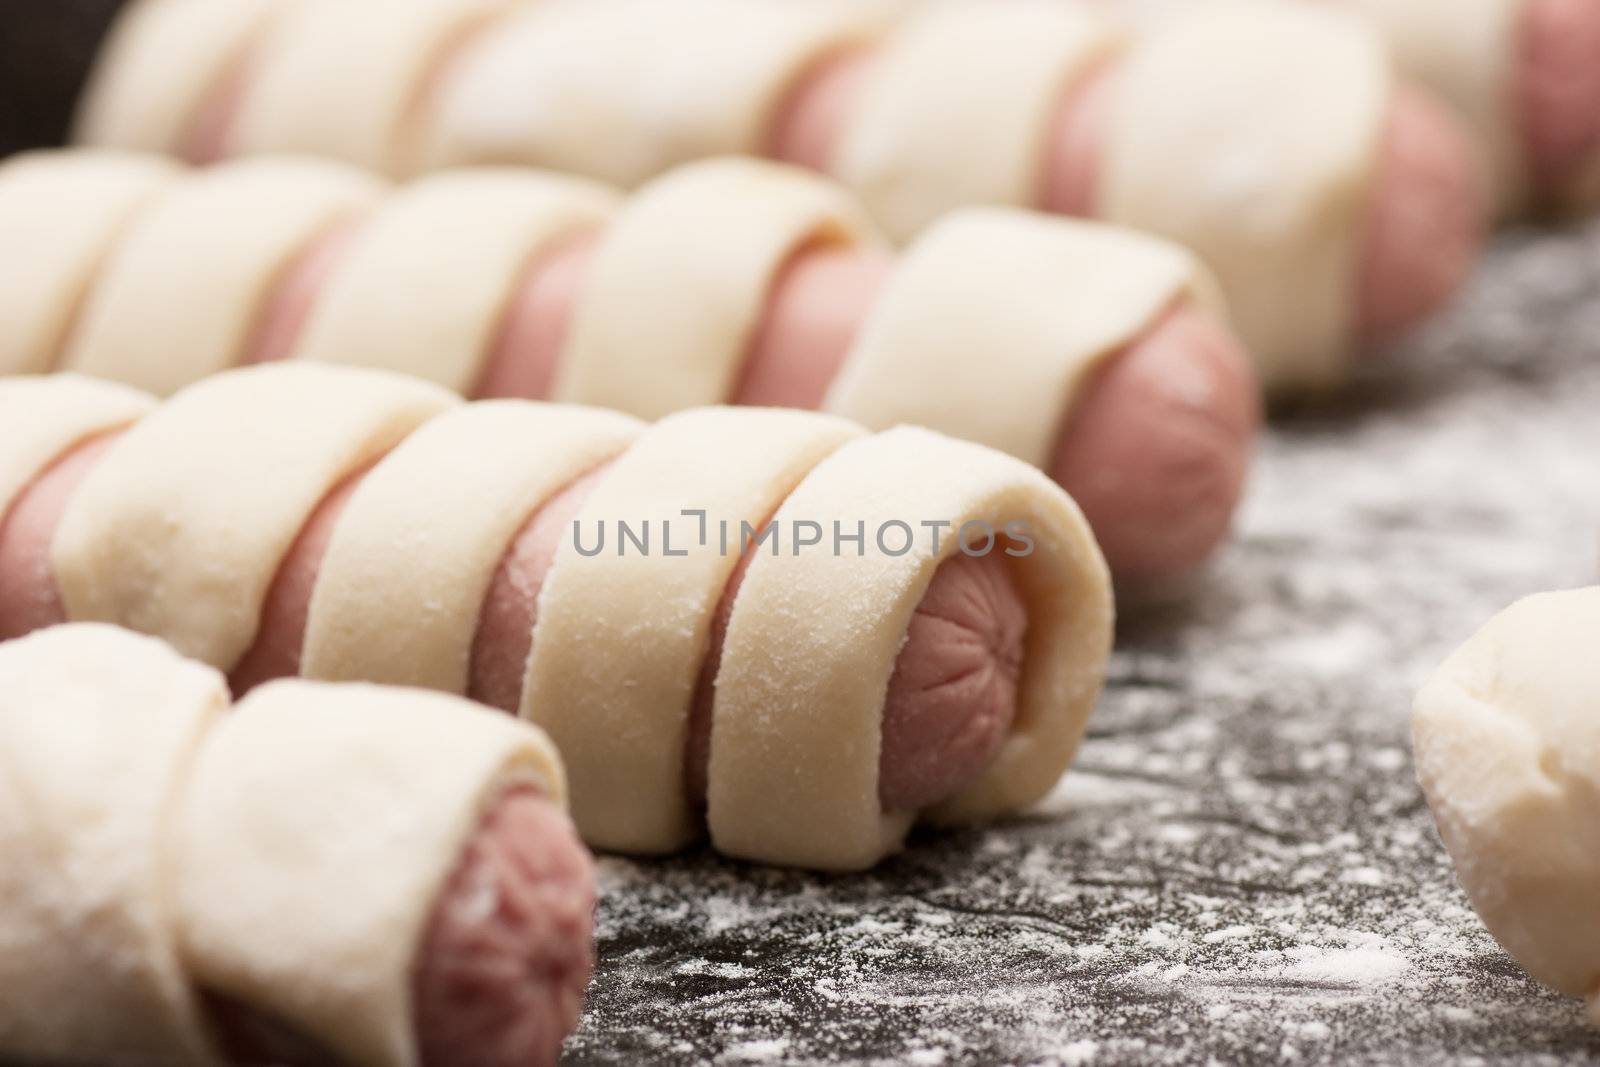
(1337, 206)
(1274, 185)
(45, 417)
(181, 292)
(435, 268)
(721, 229)
(1466, 50)
(65, 212)
(1002, 274)
(98, 735)
(330, 79)
(813, 638)
(621, 635)
(922, 142)
(547, 86)
(182, 542)
(1508, 752)
(163, 58)
(402, 583)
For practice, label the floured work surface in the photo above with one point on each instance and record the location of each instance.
(1241, 866)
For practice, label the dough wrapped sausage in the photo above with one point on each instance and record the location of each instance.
(1525, 76)
(664, 639)
(182, 879)
(1336, 207)
(1211, 86)
(326, 939)
(726, 280)
(1508, 753)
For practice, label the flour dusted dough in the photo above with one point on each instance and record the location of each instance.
(181, 295)
(812, 642)
(1508, 752)
(300, 892)
(679, 285)
(1466, 51)
(403, 581)
(1042, 300)
(44, 417)
(98, 730)
(428, 281)
(180, 529)
(958, 106)
(348, 79)
(621, 636)
(62, 211)
(164, 57)
(1249, 131)
(623, 90)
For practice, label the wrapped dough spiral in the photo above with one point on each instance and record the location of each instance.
(293, 858)
(201, 499)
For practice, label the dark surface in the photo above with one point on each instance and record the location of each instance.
(46, 48)
(1241, 869)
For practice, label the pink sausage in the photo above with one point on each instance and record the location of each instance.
(1425, 223)
(528, 345)
(504, 639)
(289, 307)
(1427, 183)
(817, 305)
(1558, 91)
(952, 697)
(520, 903)
(1427, 179)
(1158, 448)
(210, 129)
(276, 651)
(29, 597)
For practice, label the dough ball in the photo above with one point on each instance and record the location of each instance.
(1507, 738)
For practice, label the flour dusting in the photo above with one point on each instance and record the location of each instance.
(1241, 868)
